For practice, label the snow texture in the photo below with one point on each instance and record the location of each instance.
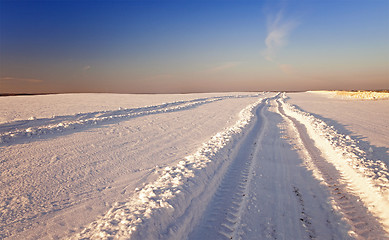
(35, 126)
(369, 178)
(196, 166)
(175, 186)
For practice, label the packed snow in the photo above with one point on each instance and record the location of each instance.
(194, 166)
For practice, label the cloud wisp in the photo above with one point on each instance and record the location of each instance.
(278, 31)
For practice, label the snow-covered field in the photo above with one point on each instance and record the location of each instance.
(365, 95)
(194, 166)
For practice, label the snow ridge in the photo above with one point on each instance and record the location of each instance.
(153, 210)
(368, 178)
(34, 127)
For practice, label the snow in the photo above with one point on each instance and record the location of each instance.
(370, 178)
(173, 185)
(193, 166)
(363, 121)
(261, 194)
(16, 108)
(362, 95)
(71, 176)
(55, 124)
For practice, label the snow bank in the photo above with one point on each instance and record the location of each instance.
(368, 178)
(153, 210)
(365, 95)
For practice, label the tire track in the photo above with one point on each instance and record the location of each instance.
(224, 212)
(24, 130)
(266, 193)
(163, 209)
(362, 223)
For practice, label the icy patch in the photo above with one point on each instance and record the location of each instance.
(157, 205)
(370, 179)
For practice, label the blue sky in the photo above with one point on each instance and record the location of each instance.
(191, 46)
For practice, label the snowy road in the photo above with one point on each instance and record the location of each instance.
(263, 169)
(266, 192)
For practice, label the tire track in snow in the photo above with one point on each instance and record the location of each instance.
(266, 193)
(25, 129)
(159, 209)
(223, 215)
(345, 199)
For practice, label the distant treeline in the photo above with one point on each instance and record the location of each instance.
(23, 94)
(33, 94)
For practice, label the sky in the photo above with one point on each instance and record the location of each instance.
(166, 46)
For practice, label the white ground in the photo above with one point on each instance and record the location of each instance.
(196, 166)
(365, 120)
